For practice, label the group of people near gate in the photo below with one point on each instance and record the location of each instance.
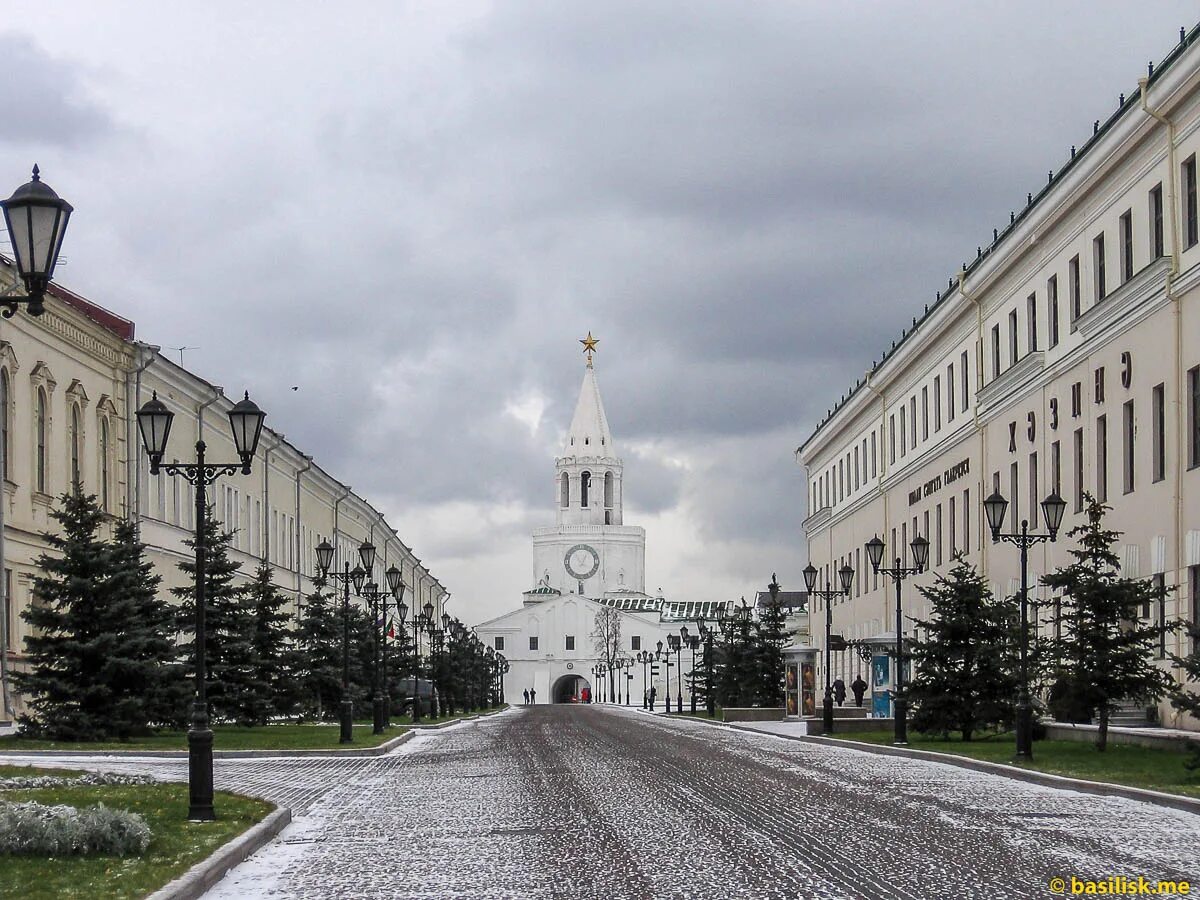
(530, 696)
(858, 686)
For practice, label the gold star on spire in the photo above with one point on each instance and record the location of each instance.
(589, 347)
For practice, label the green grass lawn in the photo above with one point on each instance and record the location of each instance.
(177, 844)
(226, 737)
(1143, 767)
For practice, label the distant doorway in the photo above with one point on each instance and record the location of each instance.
(571, 689)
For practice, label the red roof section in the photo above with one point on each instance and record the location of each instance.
(109, 321)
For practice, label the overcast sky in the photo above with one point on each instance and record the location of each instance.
(413, 212)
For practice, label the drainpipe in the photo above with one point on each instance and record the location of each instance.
(1173, 215)
(308, 464)
(133, 396)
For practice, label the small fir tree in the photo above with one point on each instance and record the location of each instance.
(271, 687)
(228, 630)
(768, 640)
(99, 648)
(966, 664)
(318, 655)
(1184, 696)
(1105, 647)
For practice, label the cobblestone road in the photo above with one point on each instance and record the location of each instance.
(586, 802)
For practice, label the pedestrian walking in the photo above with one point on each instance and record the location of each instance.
(533, 696)
(526, 696)
(839, 691)
(859, 687)
(653, 694)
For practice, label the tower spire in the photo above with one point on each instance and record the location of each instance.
(589, 347)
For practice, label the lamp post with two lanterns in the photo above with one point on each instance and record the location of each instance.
(1053, 508)
(378, 602)
(154, 425)
(846, 576)
(355, 576)
(920, 554)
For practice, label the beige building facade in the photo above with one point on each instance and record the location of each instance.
(1065, 357)
(70, 382)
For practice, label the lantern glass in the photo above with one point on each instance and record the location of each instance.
(683, 631)
(402, 611)
(920, 552)
(393, 579)
(366, 553)
(357, 577)
(810, 577)
(875, 552)
(154, 423)
(445, 621)
(246, 422)
(994, 508)
(324, 553)
(36, 218)
(428, 610)
(846, 574)
(1053, 508)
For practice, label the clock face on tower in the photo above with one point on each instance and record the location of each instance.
(582, 562)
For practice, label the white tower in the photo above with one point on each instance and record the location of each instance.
(590, 551)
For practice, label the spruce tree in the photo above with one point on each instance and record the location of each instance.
(271, 688)
(1182, 697)
(228, 626)
(318, 655)
(768, 641)
(100, 643)
(966, 664)
(1104, 647)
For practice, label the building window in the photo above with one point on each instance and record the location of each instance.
(1077, 400)
(1156, 221)
(585, 483)
(1160, 613)
(1194, 417)
(499, 643)
(1052, 309)
(1014, 491)
(1191, 227)
(996, 351)
(966, 511)
(937, 403)
(105, 452)
(903, 436)
(76, 440)
(1098, 266)
(874, 458)
(1056, 467)
(1102, 458)
(1127, 425)
(925, 413)
(892, 438)
(1031, 314)
(912, 415)
(570, 642)
(950, 392)
(564, 491)
(41, 426)
(1126, 229)
(1013, 354)
(1073, 288)
(856, 469)
(533, 643)
(5, 449)
(966, 395)
(609, 483)
(938, 530)
(1034, 499)
(635, 642)
(1078, 470)
(1159, 412)
(953, 523)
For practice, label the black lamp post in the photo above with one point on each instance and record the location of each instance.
(1053, 508)
(503, 669)
(666, 657)
(422, 621)
(378, 600)
(36, 219)
(846, 575)
(644, 658)
(347, 577)
(693, 643)
(920, 554)
(627, 664)
(154, 424)
(676, 643)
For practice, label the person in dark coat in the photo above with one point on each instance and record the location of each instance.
(526, 696)
(653, 694)
(839, 691)
(859, 687)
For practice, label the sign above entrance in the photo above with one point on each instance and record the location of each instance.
(935, 484)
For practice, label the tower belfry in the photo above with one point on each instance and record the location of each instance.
(590, 550)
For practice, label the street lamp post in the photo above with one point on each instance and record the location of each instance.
(36, 219)
(693, 643)
(1053, 508)
(154, 424)
(644, 658)
(666, 657)
(676, 643)
(920, 554)
(347, 577)
(378, 601)
(846, 575)
(627, 663)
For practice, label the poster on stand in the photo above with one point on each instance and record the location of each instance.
(792, 689)
(808, 695)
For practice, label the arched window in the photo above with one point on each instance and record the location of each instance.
(564, 491)
(40, 428)
(4, 424)
(585, 482)
(608, 490)
(76, 442)
(104, 449)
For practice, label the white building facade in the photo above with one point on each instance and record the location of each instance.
(1065, 357)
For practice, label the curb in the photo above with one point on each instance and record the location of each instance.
(379, 750)
(200, 877)
(1045, 779)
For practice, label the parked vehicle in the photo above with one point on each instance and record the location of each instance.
(424, 692)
